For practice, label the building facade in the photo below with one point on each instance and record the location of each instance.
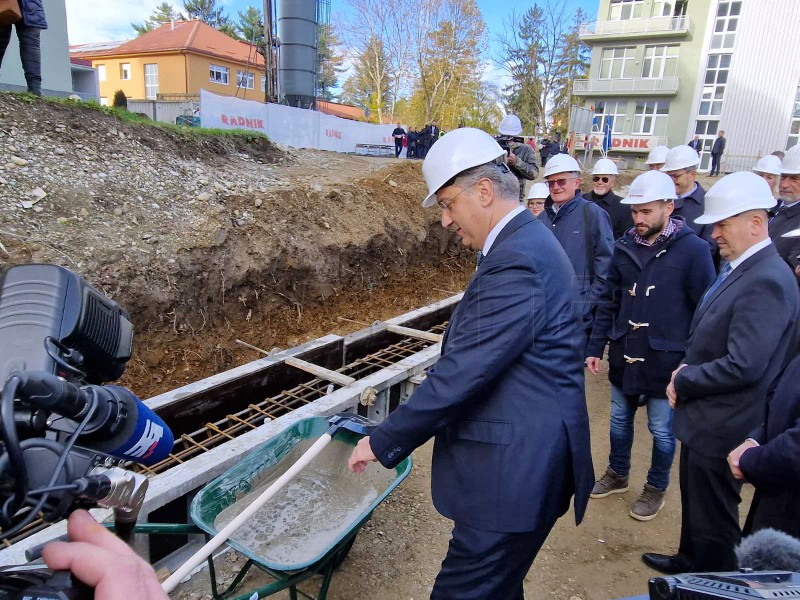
(177, 60)
(663, 71)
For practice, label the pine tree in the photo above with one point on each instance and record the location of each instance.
(329, 62)
(370, 84)
(163, 13)
(251, 25)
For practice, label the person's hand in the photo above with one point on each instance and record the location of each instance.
(362, 454)
(672, 394)
(512, 159)
(103, 561)
(797, 271)
(594, 364)
(736, 455)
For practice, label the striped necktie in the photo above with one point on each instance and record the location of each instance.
(480, 259)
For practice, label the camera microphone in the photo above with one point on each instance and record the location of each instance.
(769, 550)
(122, 425)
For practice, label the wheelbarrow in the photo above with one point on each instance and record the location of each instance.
(308, 529)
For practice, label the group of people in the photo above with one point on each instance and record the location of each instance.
(417, 142)
(698, 308)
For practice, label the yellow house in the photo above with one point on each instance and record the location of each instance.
(177, 58)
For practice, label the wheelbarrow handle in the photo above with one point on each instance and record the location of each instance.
(201, 555)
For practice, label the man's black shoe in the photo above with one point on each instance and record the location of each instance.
(671, 565)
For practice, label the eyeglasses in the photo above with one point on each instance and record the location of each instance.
(551, 183)
(677, 175)
(448, 202)
(597, 178)
(536, 203)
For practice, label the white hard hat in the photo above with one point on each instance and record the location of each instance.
(770, 164)
(791, 161)
(657, 155)
(650, 186)
(539, 191)
(792, 233)
(561, 163)
(605, 166)
(510, 125)
(734, 194)
(681, 157)
(454, 153)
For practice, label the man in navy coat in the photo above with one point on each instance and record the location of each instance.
(740, 339)
(505, 402)
(659, 272)
(28, 33)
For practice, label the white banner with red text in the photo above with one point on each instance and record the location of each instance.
(296, 127)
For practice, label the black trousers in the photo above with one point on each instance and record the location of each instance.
(29, 52)
(398, 147)
(715, 164)
(484, 565)
(709, 512)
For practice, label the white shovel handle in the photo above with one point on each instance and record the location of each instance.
(198, 557)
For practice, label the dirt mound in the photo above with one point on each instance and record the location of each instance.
(203, 237)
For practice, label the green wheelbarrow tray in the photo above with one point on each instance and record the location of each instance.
(265, 464)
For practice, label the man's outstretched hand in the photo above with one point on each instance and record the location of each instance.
(103, 561)
(361, 456)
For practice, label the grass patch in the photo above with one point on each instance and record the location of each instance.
(135, 119)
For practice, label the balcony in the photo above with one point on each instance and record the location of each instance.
(636, 86)
(635, 28)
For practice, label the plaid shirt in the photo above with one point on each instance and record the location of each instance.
(671, 228)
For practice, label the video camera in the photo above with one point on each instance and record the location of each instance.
(66, 437)
(505, 141)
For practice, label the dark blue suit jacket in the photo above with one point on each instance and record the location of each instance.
(506, 399)
(740, 339)
(774, 467)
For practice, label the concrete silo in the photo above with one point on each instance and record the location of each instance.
(297, 63)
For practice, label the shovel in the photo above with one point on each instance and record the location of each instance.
(350, 422)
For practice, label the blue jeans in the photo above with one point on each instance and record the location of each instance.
(659, 421)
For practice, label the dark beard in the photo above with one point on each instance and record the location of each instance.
(654, 230)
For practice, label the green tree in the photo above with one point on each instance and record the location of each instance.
(251, 24)
(163, 13)
(329, 62)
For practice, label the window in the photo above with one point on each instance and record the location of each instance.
(151, 81)
(662, 8)
(125, 71)
(245, 80)
(617, 63)
(650, 117)
(101, 72)
(715, 80)
(622, 10)
(794, 130)
(616, 111)
(660, 61)
(725, 25)
(707, 130)
(219, 75)
(263, 83)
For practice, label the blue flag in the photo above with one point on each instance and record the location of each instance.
(607, 135)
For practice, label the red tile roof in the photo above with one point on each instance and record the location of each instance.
(189, 36)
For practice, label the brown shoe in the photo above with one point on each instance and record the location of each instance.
(649, 503)
(610, 483)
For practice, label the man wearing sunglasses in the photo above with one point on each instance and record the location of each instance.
(505, 401)
(582, 228)
(604, 176)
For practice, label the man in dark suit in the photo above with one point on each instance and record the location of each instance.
(696, 144)
(505, 401)
(716, 153)
(398, 134)
(604, 177)
(770, 459)
(737, 346)
(787, 216)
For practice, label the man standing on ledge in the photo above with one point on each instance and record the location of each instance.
(739, 341)
(398, 134)
(716, 153)
(505, 401)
